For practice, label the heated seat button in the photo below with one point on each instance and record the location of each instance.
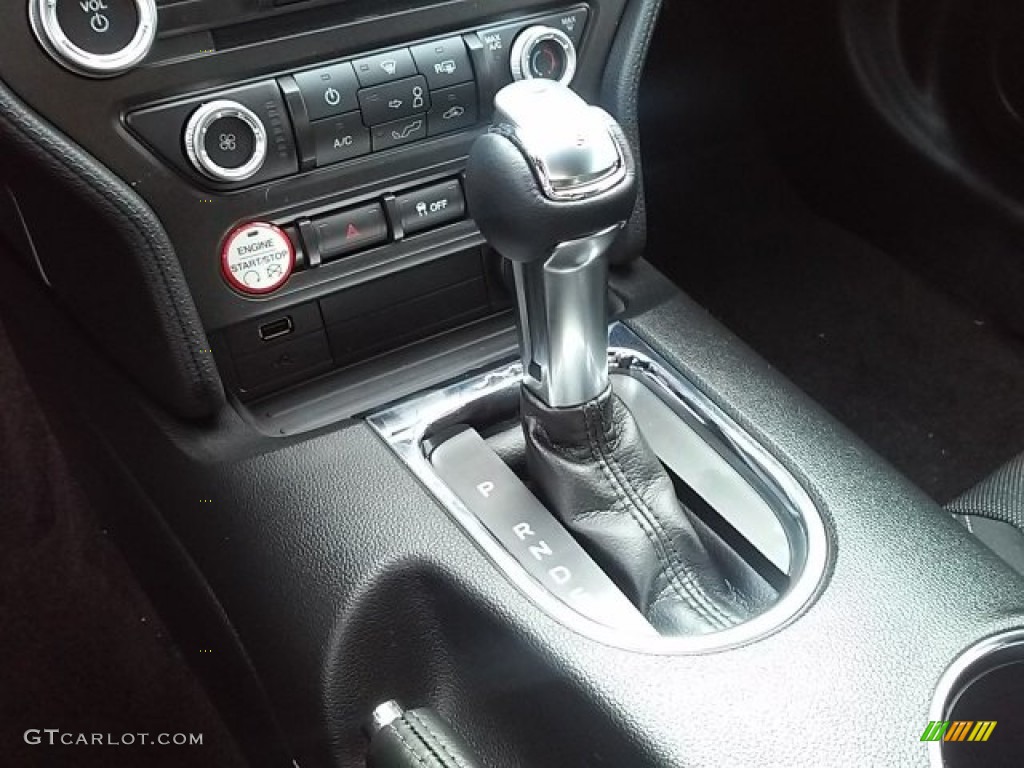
(340, 138)
(349, 231)
(384, 67)
(443, 62)
(328, 91)
(392, 101)
(431, 206)
(453, 109)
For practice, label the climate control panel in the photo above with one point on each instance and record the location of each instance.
(348, 109)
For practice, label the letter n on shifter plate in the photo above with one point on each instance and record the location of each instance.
(517, 519)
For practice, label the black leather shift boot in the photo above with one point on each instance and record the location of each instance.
(593, 469)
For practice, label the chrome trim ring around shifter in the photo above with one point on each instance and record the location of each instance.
(405, 425)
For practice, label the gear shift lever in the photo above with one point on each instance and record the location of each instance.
(550, 187)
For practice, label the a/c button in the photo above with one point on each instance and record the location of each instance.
(340, 138)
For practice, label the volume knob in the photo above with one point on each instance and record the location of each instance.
(226, 141)
(96, 38)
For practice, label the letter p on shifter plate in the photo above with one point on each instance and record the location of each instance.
(530, 533)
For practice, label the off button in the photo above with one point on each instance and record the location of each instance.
(257, 259)
(431, 207)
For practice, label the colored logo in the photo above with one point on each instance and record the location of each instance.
(958, 730)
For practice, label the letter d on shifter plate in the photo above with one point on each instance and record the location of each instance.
(524, 527)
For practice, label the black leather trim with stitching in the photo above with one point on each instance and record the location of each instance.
(420, 739)
(596, 473)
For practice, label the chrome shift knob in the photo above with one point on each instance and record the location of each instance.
(550, 187)
(567, 143)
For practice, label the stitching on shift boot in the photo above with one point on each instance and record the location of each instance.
(440, 741)
(406, 744)
(638, 516)
(690, 579)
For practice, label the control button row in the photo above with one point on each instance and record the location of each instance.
(386, 86)
(345, 137)
(356, 229)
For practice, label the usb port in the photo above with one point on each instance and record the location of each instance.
(277, 329)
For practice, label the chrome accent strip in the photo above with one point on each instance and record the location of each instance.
(404, 425)
(383, 716)
(195, 140)
(43, 19)
(955, 674)
(28, 237)
(563, 320)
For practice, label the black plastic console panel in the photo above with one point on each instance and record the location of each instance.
(348, 585)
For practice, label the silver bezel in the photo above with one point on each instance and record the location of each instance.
(955, 675)
(195, 140)
(527, 41)
(47, 29)
(404, 426)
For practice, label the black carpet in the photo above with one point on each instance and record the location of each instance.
(81, 648)
(929, 383)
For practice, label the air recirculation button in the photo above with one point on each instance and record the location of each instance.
(226, 141)
(97, 38)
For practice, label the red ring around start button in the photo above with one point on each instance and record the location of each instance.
(257, 258)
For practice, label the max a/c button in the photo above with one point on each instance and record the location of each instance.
(349, 231)
(431, 207)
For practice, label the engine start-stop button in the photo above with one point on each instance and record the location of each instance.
(258, 258)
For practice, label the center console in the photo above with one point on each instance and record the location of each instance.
(304, 158)
(272, 252)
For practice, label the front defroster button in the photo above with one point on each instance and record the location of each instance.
(349, 231)
(431, 207)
